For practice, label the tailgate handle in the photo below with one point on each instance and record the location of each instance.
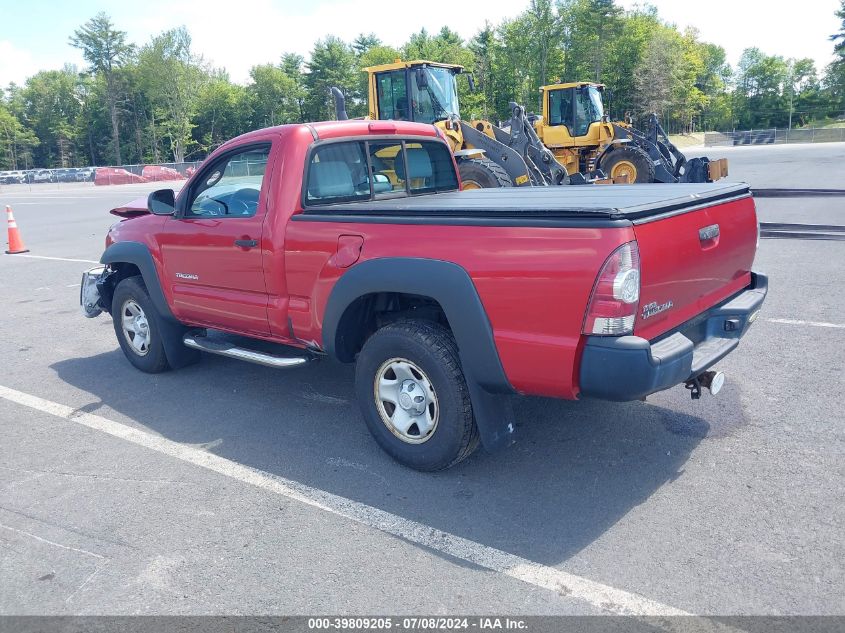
(708, 233)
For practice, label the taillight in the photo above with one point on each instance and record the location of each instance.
(616, 294)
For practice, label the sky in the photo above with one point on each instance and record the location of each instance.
(34, 34)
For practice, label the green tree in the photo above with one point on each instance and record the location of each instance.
(759, 100)
(105, 49)
(332, 63)
(273, 98)
(52, 104)
(172, 77)
(292, 65)
(838, 38)
(547, 25)
(364, 42)
(834, 80)
(223, 110)
(657, 76)
(624, 56)
(16, 141)
(483, 49)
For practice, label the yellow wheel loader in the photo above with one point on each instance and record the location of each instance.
(487, 155)
(574, 127)
(573, 142)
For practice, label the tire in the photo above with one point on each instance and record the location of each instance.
(625, 160)
(430, 358)
(482, 173)
(141, 340)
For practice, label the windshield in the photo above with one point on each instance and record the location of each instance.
(588, 109)
(437, 100)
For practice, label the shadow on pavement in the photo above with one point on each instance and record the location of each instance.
(577, 467)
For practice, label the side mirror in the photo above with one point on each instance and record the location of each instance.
(162, 202)
(422, 78)
(471, 81)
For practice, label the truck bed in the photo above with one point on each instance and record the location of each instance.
(584, 203)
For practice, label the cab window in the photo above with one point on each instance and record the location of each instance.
(392, 96)
(231, 187)
(588, 109)
(560, 108)
(430, 168)
(338, 173)
(387, 165)
(362, 170)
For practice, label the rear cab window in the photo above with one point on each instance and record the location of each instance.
(348, 171)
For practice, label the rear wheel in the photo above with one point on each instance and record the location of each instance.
(414, 397)
(482, 173)
(629, 162)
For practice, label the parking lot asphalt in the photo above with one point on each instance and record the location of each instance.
(728, 505)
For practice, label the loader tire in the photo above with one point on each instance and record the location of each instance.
(482, 173)
(628, 161)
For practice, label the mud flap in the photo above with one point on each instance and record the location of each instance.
(494, 416)
(178, 355)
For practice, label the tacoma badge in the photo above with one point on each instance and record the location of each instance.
(650, 309)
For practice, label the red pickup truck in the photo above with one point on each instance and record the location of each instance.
(352, 240)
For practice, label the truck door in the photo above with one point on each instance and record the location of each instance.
(212, 248)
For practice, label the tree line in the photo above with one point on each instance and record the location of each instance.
(161, 102)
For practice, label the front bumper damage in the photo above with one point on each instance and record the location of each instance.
(90, 295)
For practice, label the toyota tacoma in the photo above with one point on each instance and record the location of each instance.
(352, 240)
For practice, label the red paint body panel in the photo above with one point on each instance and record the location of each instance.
(677, 266)
(534, 282)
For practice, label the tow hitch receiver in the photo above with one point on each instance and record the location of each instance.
(713, 381)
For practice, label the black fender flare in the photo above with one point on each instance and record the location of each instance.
(139, 255)
(451, 286)
(172, 330)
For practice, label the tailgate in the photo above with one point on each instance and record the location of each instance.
(691, 261)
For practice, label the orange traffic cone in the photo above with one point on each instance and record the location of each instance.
(15, 242)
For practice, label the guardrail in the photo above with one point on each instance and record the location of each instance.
(796, 193)
(775, 136)
(795, 231)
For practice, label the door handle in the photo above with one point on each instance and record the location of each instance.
(246, 243)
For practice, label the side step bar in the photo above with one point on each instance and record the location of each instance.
(223, 348)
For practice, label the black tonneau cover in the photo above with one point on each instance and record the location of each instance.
(607, 202)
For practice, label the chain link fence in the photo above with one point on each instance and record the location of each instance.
(101, 176)
(775, 136)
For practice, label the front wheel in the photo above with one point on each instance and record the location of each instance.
(136, 324)
(414, 397)
(632, 164)
(482, 173)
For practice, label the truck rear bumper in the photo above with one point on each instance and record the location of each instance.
(630, 367)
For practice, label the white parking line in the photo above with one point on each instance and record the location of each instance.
(58, 259)
(603, 597)
(810, 323)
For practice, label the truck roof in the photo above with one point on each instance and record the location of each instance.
(337, 129)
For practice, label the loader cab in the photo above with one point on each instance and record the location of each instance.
(420, 91)
(572, 115)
